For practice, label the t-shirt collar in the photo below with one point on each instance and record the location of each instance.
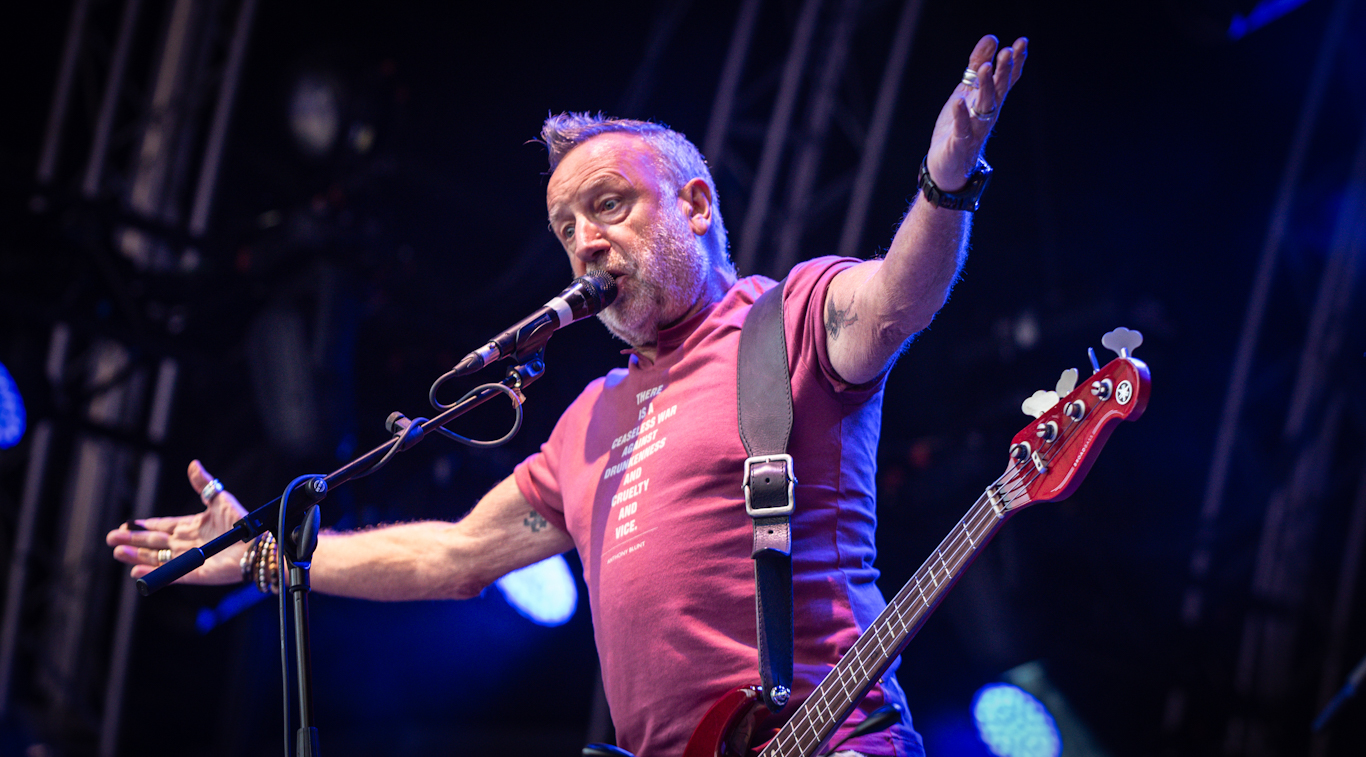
(672, 337)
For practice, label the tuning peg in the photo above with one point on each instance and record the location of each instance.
(1067, 382)
(1039, 403)
(1122, 341)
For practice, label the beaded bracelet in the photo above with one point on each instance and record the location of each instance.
(268, 566)
(248, 561)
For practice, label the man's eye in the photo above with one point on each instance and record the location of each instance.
(568, 232)
(611, 204)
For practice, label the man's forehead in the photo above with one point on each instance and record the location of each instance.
(596, 158)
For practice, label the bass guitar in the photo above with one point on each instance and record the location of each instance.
(1048, 460)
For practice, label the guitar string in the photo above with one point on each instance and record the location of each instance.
(1014, 483)
(950, 549)
(809, 733)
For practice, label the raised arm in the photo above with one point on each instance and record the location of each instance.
(872, 309)
(423, 560)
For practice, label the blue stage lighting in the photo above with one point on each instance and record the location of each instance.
(1012, 723)
(543, 592)
(1265, 12)
(11, 411)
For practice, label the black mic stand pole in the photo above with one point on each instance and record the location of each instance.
(305, 538)
(297, 550)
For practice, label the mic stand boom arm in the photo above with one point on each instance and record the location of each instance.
(407, 434)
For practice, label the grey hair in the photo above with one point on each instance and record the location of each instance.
(678, 159)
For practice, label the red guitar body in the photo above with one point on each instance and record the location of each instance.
(728, 727)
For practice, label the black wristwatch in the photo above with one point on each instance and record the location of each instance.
(966, 198)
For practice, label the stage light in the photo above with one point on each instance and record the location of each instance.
(315, 113)
(11, 411)
(1012, 723)
(1264, 13)
(543, 593)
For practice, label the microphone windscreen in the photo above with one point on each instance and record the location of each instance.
(604, 291)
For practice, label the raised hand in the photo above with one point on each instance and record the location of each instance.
(965, 121)
(141, 544)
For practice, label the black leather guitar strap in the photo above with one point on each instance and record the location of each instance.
(765, 412)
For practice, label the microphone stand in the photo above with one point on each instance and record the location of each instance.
(301, 522)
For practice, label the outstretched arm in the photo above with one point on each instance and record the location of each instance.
(873, 308)
(424, 560)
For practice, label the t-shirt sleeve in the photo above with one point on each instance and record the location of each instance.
(535, 477)
(803, 317)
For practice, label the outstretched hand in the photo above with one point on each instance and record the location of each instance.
(139, 543)
(966, 119)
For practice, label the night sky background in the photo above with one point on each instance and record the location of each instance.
(1137, 164)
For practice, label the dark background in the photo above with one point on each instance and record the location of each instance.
(1137, 168)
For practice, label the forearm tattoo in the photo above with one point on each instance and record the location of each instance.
(535, 521)
(836, 319)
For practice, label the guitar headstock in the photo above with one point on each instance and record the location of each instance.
(1050, 457)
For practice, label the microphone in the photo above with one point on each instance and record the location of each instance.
(586, 296)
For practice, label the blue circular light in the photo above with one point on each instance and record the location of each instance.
(1012, 723)
(542, 592)
(11, 411)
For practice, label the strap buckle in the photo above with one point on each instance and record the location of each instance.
(763, 482)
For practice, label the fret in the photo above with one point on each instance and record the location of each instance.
(901, 618)
(968, 533)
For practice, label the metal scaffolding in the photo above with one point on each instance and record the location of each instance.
(1302, 474)
(153, 153)
(790, 151)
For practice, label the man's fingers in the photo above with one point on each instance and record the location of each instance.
(199, 478)
(962, 121)
(1005, 71)
(985, 49)
(137, 555)
(165, 525)
(1021, 48)
(989, 91)
(147, 539)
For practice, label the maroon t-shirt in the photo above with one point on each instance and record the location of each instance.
(644, 471)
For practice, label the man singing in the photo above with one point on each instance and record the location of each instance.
(642, 473)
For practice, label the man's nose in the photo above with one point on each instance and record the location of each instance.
(590, 243)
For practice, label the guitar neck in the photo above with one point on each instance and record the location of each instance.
(868, 659)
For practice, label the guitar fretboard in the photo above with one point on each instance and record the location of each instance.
(865, 662)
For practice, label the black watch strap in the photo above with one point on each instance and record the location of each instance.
(966, 198)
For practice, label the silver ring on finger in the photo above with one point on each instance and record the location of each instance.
(163, 556)
(970, 78)
(210, 490)
(979, 115)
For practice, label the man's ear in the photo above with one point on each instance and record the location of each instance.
(695, 200)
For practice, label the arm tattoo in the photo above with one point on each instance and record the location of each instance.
(836, 319)
(535, 521)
